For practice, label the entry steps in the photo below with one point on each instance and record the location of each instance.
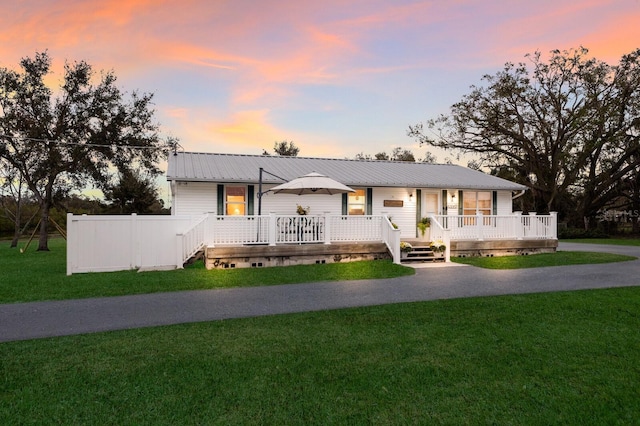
(421, 253)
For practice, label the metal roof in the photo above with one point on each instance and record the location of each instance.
(237, 168)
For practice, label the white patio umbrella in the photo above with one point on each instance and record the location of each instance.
(312, 183)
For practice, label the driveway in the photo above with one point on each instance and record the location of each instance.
(24, 321)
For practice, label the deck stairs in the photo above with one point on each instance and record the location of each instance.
(421, 253)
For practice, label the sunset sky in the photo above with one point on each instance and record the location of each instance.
(336, 77)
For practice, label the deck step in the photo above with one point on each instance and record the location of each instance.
(421, 254)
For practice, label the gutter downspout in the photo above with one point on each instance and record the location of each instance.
(520, 194)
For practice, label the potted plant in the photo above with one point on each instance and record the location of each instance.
(438, 248)
(424, 225)
(302, 210)
(405, 248)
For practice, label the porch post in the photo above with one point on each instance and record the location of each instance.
(479, 225)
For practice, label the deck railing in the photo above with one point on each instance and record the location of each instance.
(496, 227)
(292, 229)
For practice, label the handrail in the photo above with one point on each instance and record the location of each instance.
(391, 238)
(190, 241)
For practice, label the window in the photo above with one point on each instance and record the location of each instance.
(476, 203)
(357, 202)
(235, 200)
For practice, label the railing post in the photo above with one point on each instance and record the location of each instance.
(446, 239)
(395, 243)
(479, 226)
(327, 227)
(519, 226)
(71, 244)
(554, 224)
(272, 228)
(533, 223)
(179, 250)
(135, 247)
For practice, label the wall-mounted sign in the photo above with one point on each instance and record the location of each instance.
(393, 203)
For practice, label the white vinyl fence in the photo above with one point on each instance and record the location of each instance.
(116, 243)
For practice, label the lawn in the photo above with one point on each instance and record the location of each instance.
(541, 260)
(555, 358)
(34, 275)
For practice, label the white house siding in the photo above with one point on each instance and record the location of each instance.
(405, 216)
(287, 203)
(194, 198)
(505, 203)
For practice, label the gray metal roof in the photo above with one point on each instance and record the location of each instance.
(236, 168)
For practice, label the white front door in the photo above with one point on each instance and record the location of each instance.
(430, 205)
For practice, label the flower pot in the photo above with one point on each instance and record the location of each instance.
(426, 236)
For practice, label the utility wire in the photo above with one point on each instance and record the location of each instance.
(170, 146)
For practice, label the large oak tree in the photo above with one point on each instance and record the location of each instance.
(77, 135)
(567, 127)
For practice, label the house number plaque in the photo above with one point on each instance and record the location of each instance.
(393, 203)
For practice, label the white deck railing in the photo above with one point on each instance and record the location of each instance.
(493, 227)
(292, 229)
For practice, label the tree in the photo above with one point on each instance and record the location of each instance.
(398, 154)
(362, 157)
(383, 156)
(565, 127)
(12, 196)
(429, 158)
(133, 193)
(77, 137)
(285, 149)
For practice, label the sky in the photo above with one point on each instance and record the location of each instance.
(336, 77)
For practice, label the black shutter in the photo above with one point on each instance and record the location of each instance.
(369, 199)
(445, 202)
(494, 202)
(220, 200)
(250, 201)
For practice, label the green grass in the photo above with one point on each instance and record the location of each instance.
(610, 241)
(559, 258)
(555, 358)
(37, 275)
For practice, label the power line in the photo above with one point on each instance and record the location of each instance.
(170, 146)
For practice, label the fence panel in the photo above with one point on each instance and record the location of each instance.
(117, 242)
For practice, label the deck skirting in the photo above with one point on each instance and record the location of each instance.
(471, 248)
(256, 256)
